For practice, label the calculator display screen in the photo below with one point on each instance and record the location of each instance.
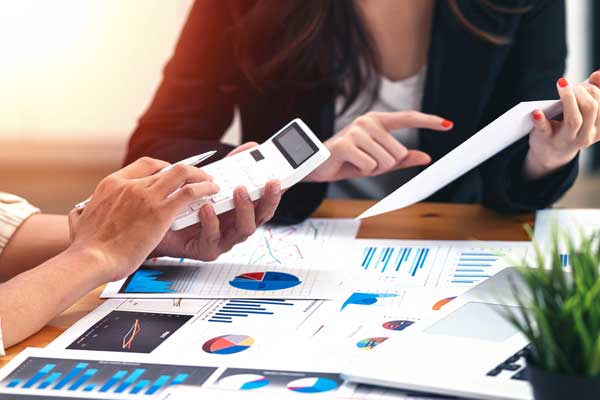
(295, 145)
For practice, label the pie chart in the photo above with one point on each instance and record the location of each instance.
(228, 344)
(370, 343)
(265, 281)
(244, 382)
(398, 325)
(312, 385)
(441, 303)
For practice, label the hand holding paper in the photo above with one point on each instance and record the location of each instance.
(495, 137)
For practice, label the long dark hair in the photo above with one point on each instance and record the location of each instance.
(320, 42)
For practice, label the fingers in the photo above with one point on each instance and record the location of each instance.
(241, 148)
(572, 119)
(245, 220)
(411, 119)
(381, 136)
(210, 236)
(414, 158)
(189, 193)
(595, 79)
(74, 216)
(268, 203)
(588, 106)
(179, 175)
(541, 124)
(348, 152)
(141, 168)
(595, 93)
(367, 144)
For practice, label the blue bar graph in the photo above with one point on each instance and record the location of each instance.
(86, 375)
(50, 380)
(391, 260)
(139, 386)
(233, 309)
(158, 384)
(101, 378)
(179, 379)
(113, 381)
(474, 267)
(130, 379)
(39, 375)
(14, 383)
(71, 375)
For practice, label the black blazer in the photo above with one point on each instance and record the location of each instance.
(469, 81)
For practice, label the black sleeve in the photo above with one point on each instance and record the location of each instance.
(194, 104)
(536, 60)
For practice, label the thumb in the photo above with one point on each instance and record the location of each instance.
(541, 124)
(595, 78)
(74, 216)
(241, 148)
(414, 158)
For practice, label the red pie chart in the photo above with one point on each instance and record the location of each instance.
(228, 344)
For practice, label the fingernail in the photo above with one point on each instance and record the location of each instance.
(276, 187)
(446, 123)
(537, 115)
(562, 82)
(243, 193)
(208, 210)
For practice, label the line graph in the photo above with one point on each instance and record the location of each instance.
(131, 334)
(294, 245)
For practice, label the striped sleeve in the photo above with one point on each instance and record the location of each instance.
(13, 211)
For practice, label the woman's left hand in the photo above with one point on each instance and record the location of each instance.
(553, 144)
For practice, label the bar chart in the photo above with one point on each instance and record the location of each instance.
(234, 310)
(70, 375)
(468, 266)
(397, 264)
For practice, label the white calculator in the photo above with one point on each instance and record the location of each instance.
(288, 156)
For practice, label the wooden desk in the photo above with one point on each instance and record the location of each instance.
(422, 221)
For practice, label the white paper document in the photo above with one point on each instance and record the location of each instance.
(222, 281)
(495, 137)
(432, 263)
(571, 222)
(215, 332)
(276, 262)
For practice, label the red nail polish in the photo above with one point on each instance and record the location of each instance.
(537, 115)
(446, 123)
(562, 82)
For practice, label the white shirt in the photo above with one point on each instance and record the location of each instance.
(406, 94)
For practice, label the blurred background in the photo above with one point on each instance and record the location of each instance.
(76, 74)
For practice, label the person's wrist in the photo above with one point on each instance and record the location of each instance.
(538, 166)
(95, 260)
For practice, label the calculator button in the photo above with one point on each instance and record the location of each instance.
(184, 212)
(197, 205)
(219, 197)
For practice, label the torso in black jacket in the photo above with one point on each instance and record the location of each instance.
(469, 81)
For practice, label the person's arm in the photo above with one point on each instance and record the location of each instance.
(31, 299)
(535, 61)
(193, 106)
(39, 238)
(127, 217)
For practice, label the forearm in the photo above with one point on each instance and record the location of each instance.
(31, 299)
(38, 239)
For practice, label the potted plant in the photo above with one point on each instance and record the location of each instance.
(559, 313)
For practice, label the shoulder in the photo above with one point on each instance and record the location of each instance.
(503, 18)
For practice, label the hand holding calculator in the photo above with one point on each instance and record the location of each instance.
(288, 156)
